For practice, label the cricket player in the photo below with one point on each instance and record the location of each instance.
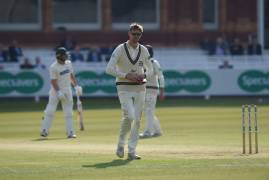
(130, 65)
(154, 85)
(61, 75)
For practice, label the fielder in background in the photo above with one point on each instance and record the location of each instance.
(62, 76)
(128, 63)
(154, 85)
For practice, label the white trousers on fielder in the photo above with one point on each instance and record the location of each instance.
(132, 104)
(152, 122)
(67, 107)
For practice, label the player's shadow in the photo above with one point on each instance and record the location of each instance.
(113, 163)
(48, 139)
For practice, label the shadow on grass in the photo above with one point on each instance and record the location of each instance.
(48, 139)
(115, 162)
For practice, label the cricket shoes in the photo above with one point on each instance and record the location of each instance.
(144, 135)
(133, 156)
(120, 152)
(71, 135)
(156, 134)
(44, 133)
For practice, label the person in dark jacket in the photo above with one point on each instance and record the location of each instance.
(254, 47)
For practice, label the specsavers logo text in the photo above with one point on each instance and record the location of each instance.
(92, 82)
(254, 81)
(24, 82)
(191, 81)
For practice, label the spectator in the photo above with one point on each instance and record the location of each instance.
(26, 64)
(94, 55)
(105, 53)
(226, 65)
(14, 52)
(204, 44)
(209, 46)
(69, 43)
(38, 64)
(76, 55)
(221, 47)
(237, 48)
(254, 48)
(3, 54)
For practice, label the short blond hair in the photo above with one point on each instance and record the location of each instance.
(136, 26)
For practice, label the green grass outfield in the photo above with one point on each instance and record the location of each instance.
(202, 141)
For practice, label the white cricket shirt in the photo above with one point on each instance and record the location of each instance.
(127, 59)
(156, 80)
(62, 73)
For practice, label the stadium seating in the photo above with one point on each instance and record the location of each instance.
(169, 58)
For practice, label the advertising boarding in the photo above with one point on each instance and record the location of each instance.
(96, 82)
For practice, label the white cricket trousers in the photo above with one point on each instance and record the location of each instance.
(132, 104)
(67, 106)
(152, 122)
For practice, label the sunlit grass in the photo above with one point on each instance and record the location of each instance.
(199, 142)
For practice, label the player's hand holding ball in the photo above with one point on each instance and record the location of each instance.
(131, 77)
(61, 96)
(141, 78)
(78, 90)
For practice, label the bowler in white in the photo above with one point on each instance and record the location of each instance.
(131, 66)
